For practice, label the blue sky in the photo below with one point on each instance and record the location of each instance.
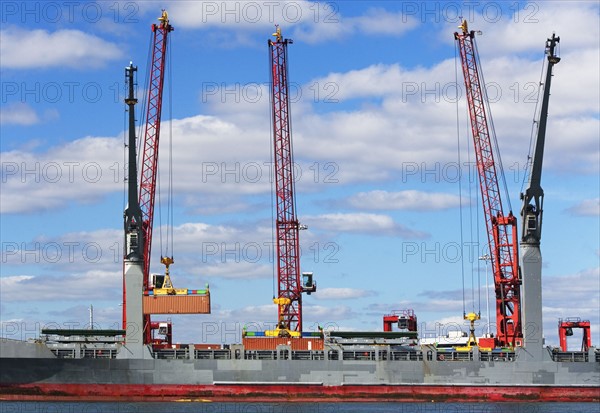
(376, 144)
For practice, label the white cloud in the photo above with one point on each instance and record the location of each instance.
(75, 252)
(192, 233)
(266, 312)
(574, 292)
(11, 282)
(99, 285)
(240, 15)
(374, 22)
(382, 22)
(440, 304)
(84, 170)
(376, 80)
(342, 293)
(415, 122)
(22, 48)
(372, 224)
(522, 31)
(89, 168)
(403, 200)
(310, 22)
(18, 114)
(587, 207)
(325, 314)
(240, 270)
(203, 252)
(409, 127)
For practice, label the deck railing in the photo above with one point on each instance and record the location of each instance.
(383, 354)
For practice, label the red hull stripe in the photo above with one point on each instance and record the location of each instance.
(307, 392)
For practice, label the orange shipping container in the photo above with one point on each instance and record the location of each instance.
(271, 343)
(176, 304)
(487, 342)
(203, 346)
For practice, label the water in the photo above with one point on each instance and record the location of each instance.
(208, 407)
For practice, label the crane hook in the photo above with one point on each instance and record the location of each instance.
(277, 33)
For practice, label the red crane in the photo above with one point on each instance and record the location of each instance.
(565, 329)
(404, 319)
(149, 165)
(290, 287)
(501, 228)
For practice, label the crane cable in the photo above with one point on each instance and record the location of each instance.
(474, 229)
(125, 146)
(170, 207)
(143, 109)
(272, 175)
(492, 129)
(459, 180)
(478, 205)
(169, 242)
(142, 122)
(471, 181)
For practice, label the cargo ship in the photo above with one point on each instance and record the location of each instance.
(81, 367)
(140, 361)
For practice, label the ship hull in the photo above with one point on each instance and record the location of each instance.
(286, 380)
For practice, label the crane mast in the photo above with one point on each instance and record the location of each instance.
(501, 229)
(149, 164)
(134, 236)
(531, 215)
(133, 258)
(289, 298)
